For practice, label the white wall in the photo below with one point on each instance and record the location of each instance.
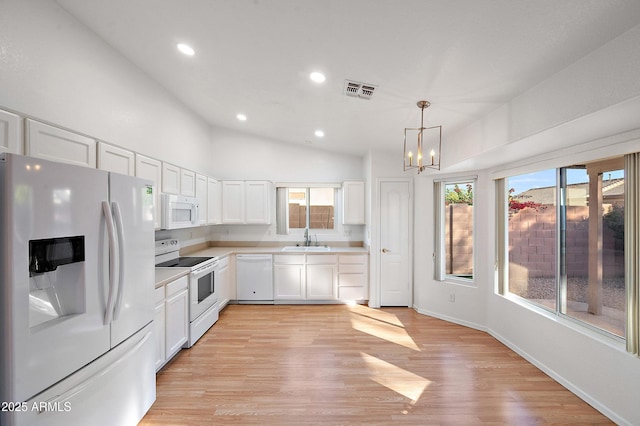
(247, 157)
(589, 110)
(55, 69)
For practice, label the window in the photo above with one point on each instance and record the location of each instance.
(454, 229)
(302, 207)
(566, 242)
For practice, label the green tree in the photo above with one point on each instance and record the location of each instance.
(456, 195)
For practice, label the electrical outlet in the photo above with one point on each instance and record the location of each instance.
(452, 297)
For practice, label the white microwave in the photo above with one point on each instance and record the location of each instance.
(179, 211)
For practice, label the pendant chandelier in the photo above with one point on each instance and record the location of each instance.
(428, 140)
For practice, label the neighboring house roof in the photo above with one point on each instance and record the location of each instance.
(577, 193)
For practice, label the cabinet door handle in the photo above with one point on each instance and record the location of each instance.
(384, 250)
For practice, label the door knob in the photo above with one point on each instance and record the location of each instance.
(384, 250)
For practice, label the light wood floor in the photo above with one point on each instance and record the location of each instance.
(352, 365)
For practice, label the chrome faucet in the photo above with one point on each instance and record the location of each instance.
(307, 238)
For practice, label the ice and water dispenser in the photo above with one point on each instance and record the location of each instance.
(56, 278)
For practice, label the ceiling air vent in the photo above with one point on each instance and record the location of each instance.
(360, 90)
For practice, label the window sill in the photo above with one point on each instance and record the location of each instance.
(611, 340)
(466, 282)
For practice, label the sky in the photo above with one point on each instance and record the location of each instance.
(546, 178)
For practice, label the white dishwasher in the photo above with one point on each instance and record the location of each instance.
(254, 273)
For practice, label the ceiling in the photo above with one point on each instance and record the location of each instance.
(467, 57)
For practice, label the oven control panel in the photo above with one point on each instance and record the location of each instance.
(167, 246)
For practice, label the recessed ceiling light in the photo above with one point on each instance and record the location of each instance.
(319, 133)
(186, 49)
(241, 117)
(318, 77)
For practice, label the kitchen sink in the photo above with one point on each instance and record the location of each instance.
(306, 248)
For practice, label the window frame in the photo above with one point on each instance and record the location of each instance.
(440, 255)
(502, 250)
(299, 232)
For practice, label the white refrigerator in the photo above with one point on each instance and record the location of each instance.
(76, 295)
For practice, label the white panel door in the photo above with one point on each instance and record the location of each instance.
(151, 169)
(353, 203)
(321, 282)
(51, 143)
(57, 323)
(10, 133)
(136, 267)
(187, 183)
(202, 195)
(257, 202)
(233, 201)
(170, 179)
(114, 159)
(177, 319)
(288, 282)
(395, 276)
(214, 202)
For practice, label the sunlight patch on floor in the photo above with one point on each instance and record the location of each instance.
(376, 314)
(383, 330)
(397, 379)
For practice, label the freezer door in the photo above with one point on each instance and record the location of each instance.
(132, 205)
(52, 273)
(116, 389)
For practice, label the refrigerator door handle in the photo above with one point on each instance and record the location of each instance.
(121, 253)
(111, 234)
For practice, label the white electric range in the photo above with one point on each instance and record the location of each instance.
(203, 297)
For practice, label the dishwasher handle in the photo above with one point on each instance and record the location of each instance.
(254, 257)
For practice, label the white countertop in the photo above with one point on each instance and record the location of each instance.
(226, 251)
(166, 275)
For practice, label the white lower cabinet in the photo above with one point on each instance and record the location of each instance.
(321, 279)
(353, 278)
(288, 277)
(172, 319)
(159, 319)
(305, 277)
(223, 282)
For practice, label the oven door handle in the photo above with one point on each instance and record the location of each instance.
(205, 269)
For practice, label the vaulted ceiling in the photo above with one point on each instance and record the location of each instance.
(467, 57)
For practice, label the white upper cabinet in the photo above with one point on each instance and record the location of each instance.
(10, 133)
(214, 201)
(353, 203)
(51, 143)
(187, 183)
(233, 200)
(202, 196)
(151, 169)
(246, 202)
(114, 159)
(170, 179)
(257, 205)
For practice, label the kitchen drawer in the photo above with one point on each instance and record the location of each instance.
(177, 286)
(351, 269)
(322, 259)
(353, 259)
(288, 259)
(351, 280)
(352, 293)
(158, 295)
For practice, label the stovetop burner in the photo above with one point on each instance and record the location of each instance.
(183, 262)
